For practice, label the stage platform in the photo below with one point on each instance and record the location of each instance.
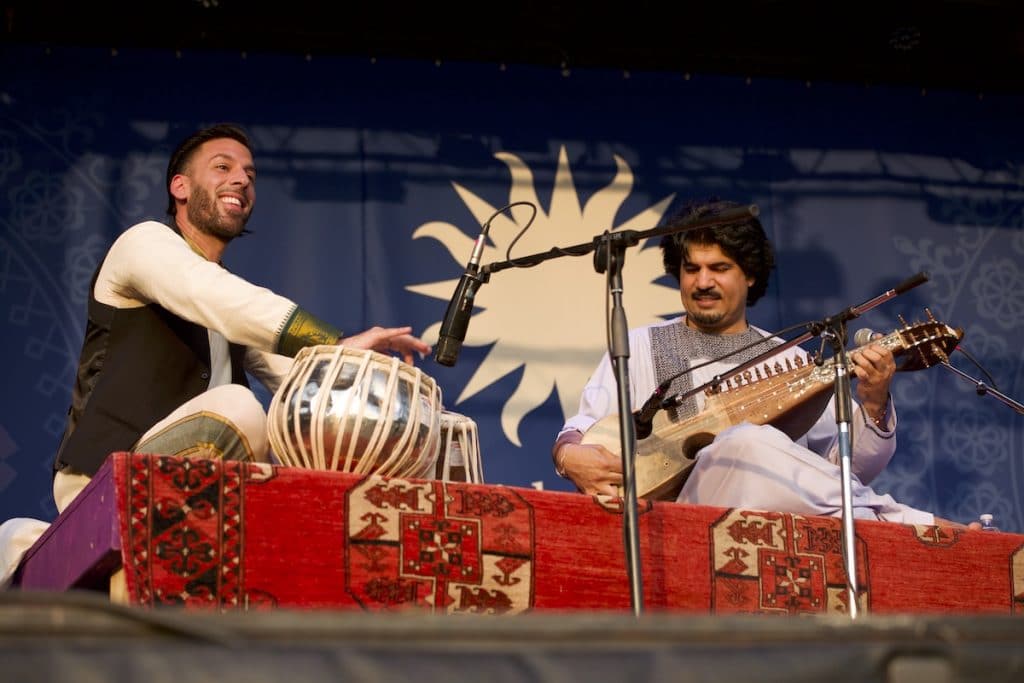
(80, 636)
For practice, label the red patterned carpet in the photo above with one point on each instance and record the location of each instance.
(231, 535)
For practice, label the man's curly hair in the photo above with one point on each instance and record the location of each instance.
(744, 242)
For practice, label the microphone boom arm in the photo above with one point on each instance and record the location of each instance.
(984, 389)
(628, 238)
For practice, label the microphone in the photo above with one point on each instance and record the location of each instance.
(864, 336)
(816, 328)
(911, 282)
(643, 418)
(456, 318)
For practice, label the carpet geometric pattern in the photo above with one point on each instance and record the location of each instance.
(231, 535)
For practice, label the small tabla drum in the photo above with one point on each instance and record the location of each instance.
(349, 410)
(460, 450)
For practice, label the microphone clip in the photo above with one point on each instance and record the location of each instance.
(643, 418)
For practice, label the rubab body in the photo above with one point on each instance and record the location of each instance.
(789, 395)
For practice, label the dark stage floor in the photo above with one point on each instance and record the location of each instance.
(83, 637)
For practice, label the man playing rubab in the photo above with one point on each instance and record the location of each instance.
(721, 271)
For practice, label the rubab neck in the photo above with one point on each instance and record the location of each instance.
(789, 393)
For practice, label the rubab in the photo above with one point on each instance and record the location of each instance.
(789, 395)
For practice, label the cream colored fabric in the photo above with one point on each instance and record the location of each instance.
(17, 535)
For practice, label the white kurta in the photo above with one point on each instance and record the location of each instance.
(760, 467)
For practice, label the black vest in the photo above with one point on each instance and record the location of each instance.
(137, 365)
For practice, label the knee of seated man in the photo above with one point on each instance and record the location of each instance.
(240, 405)
(234, 410)
(234, 392)
(747, 440)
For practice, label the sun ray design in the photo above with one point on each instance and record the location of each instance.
(548, 320)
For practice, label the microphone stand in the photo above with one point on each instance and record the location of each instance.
(833, 329)
(609, 253)
(611, 260)
(835, 333)
(983, 389)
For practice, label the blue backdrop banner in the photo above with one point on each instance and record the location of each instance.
(376, 176)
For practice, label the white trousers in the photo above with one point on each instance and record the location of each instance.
(225, 422)
(760, 468)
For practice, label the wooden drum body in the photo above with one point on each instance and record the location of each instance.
(351, 410)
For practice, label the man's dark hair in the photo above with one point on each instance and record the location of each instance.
(744, 242)
(183, 153)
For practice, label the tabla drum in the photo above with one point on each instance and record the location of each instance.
(460, 450)
(350, 410)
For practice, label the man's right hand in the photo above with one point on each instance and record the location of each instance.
(592, 467)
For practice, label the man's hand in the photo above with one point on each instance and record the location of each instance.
(874, 367)
(389, 340)
(593, 468)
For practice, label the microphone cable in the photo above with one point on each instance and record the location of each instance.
(991, 379)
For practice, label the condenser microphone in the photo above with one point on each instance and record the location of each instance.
(864, 336)
(460, 308)
(643, 418)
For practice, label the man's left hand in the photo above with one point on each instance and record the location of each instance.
(874, 366)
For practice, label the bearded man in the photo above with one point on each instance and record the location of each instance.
(171, 334)
(721, 272)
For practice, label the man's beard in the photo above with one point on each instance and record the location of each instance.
(203, 213)
(705, 319)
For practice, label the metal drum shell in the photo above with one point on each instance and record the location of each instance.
(353, 410)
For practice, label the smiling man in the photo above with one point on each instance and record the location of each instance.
(721, 271)
(171, 334)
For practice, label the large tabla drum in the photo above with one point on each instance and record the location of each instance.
(350, 410)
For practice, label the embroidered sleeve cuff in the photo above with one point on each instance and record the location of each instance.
(302, 329)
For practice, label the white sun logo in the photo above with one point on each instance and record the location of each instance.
(549, 318)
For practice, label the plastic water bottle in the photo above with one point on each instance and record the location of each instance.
(987, 522)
